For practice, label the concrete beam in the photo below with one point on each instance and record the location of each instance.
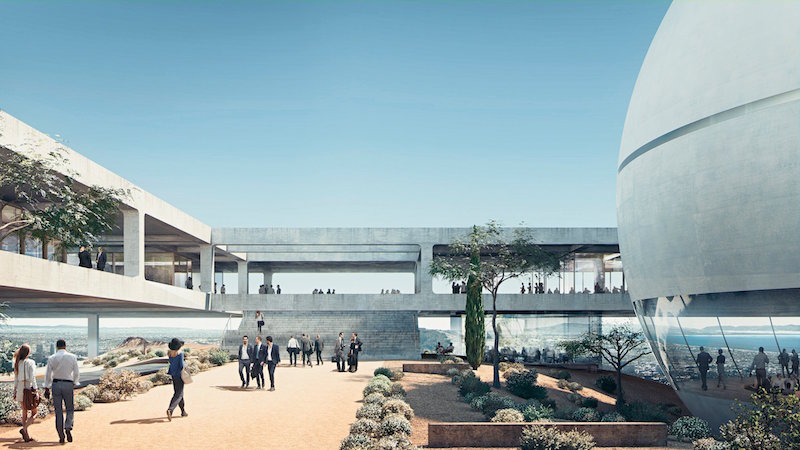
(334, 257)
(133, 242)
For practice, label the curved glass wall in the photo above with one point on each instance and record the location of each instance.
(733, 325)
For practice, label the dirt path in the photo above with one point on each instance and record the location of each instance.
(310, 408)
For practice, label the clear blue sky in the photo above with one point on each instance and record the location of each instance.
(368, 113)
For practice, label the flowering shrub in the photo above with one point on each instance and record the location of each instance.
(218, 357)
(143, 386)
(537, 413)
(709, 444)
(82, 402)
(394, 424)
(397, 391)
(690, 428)
(380, 388)
(369, 411)
(396, 442)
(585, 415)
(508, 415)
(122, 384)
(537, 437)
(160, 377)
(400, 407)
(91, 392)
(356, 442)
(366, 427)
(375, 398)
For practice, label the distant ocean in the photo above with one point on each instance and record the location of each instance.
(749, 342)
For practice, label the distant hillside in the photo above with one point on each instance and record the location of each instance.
(429, 338)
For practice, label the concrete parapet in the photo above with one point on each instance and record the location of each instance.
(488, 434)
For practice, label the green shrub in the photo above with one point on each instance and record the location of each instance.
(453, 372)
(613, 417)
(107, 397)
(690, 428)
(503, 366)
(218, 357)
(494, 402)
(396, 442)
(143, 386)
(456, 380)
(369, 411)
(643, 412)
(771, 421)
(380, 388)
(161, 354)
(573, 386)
(82, 402)
(160, 377)
(586, 415)
(606, 383)
(548, 402)
(589, 402)
(397, 391)
(187, 350)
(563, 375)
(468, 397)
(574, 398)
(366, 427)
(7, 403)
(91, 392)
(563, 384)
(381, 379)
(523, 384)
(375, 398)
(395, 424)
(508, 415)
(356, 442)
(709, 444)
(385, 371)
(478, 402)
(111, 363)
(122, 384)
(537, 437)
(473, 385)
(400, 407)
(537, 413)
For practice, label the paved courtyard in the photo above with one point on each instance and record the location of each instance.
(310, 408)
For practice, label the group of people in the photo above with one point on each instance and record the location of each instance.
(444, 350)
(268, 289)
(457, 288)
(60, 378)
(759, 364)
(320, 291)
(85, 258)
(390, 291)
(253, 359)
(307, 347)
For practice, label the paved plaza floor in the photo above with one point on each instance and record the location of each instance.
(311, 408)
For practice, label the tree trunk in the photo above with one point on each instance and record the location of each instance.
(496, 356)
(620, 395)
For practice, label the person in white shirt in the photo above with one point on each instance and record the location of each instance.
(24, 378)
(293, 348)
(62, 375)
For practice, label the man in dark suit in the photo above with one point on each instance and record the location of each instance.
(357, 351)
(273, 358)
(245, 356)
(318, 347)
(703, 360)
(101, 259)
(84, 258)
(260, 358)
(340, 352)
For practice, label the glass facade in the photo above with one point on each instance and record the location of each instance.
(736, 324)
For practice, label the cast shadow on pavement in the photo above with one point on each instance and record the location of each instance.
(18, 443)
(142, 421)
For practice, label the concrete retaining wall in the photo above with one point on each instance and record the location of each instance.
(487, 434)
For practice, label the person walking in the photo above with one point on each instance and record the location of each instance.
(84, 258)
(176, 365)
(308, 349)
(259, 321)
(260, 354)
(760, 362)
(703, 361)
(318, 347)
(721, 369)
(339, 352)
(100, 262)
(783, 360)
(293, 348)
(795, 363)
(273, 358)
(25, 388)
(244, 354)
(62, 375)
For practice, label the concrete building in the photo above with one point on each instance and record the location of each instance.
(708, 193)
(156, 248)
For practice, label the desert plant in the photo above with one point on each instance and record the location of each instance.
(478, 402)
(586, 415)
(161, 377)
(82, 402)
(375, 398)
(519, 367)
(380, 388)
(111, 363)
(606, 384)
(369, 411)
(7, 403)
(107, 397)
(473, 385)
(523, 384)
(508, 415)
(394, 424)
(536, 412)
(193, 367)
(613, 417)
(563, 375)
(493, 402)
(574, 386)
(218, 356)
(396, 406)
(396, 442)
(397, 391)
(452, 372)
(772, 421)
(385, 371)
(690, 428)
(589, 402)
(367, 427)
(563, 384)
(356, 442)
(143, 386)
(643, 412)
(537, 437)
(710, 444)
(122, 383)
(91, 391)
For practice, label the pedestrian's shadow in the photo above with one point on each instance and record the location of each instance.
(233, 388)
(17, 443)
(141, 421)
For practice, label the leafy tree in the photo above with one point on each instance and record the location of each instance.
(501, 259)
(475, 326)
(619, 347)
(772, 422)
(52, 204)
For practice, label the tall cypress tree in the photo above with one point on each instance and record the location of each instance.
(475, 329)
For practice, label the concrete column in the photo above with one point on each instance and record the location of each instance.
(207, 268)
(94, 335)
(423, 282)
(243, 276)
(133, 242)
(457, 328)
(267, 278)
